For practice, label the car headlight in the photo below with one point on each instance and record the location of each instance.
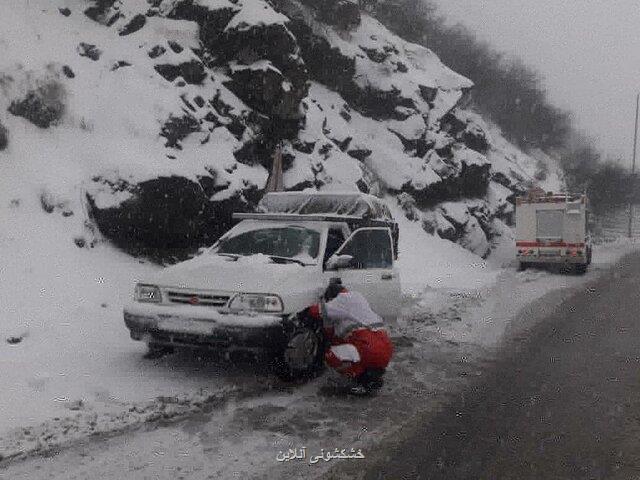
(147, 293)
(256, 303)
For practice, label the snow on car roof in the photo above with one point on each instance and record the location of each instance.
(330, 203)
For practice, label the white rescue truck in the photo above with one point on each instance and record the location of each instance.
(552, 229)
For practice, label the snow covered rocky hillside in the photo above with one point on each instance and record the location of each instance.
(143, 124)
(148, 122)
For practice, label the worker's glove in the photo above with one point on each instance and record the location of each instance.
(310, 317)
(333, 289)
(315, 311)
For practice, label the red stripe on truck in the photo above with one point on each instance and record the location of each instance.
(549, 244)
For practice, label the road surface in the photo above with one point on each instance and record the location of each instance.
(561, 402)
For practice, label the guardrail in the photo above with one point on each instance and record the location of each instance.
(613, 223)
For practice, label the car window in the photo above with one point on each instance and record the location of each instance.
(290, 242)
(369, 248)
(335, 239)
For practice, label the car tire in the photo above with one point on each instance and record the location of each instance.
(303, 355)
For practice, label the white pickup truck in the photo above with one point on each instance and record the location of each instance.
(247, 292)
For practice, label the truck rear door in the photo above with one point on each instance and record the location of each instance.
(549, 225)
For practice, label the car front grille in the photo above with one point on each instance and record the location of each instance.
(198, 299)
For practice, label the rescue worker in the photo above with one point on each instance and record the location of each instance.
(359, 347)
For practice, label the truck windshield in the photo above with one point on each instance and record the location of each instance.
(297, 243)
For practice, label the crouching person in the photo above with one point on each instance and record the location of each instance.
(359, 347)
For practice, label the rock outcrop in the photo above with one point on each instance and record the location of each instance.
(210, 89)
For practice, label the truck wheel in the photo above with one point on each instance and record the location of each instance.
(156, 350)
(303, 356)
(522, 266)
(581, 268)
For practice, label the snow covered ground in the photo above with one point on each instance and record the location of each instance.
(69, 372)
(183, 415)
(69, 369)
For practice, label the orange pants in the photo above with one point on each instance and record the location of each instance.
(374, 348)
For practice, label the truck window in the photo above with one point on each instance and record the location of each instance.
(370, 249)
(549, 224)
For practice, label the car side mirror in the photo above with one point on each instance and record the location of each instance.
(336, 262)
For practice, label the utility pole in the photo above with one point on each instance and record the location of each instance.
(633, 167)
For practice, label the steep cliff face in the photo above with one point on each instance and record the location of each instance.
(148, 123)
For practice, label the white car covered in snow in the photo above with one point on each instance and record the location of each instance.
(247, 292)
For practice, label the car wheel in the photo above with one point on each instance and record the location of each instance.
(303, 355)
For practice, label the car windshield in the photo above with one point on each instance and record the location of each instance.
(297, 243)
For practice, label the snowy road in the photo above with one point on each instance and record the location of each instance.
(560, 402)
(443, 341)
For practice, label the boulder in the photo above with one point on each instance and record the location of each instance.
(212, 22)
(178, 128)
(359, 154)
(267, 90)
(465, 130)
(101, 11)
(445, 228)
(192, 72)
(262, 53)
(66, 69)
(175, 46)
(43, 107)
(326, 64)
(135, 24)
(90, 51)
(344, 14)
(272, 42)
(467, 181)
(156, 51)
(168, 214)
(475, 138)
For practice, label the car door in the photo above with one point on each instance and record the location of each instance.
(372, 271)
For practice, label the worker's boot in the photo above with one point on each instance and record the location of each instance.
(370, 381)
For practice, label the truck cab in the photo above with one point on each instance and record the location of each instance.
(250, 289)
(552, 229)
